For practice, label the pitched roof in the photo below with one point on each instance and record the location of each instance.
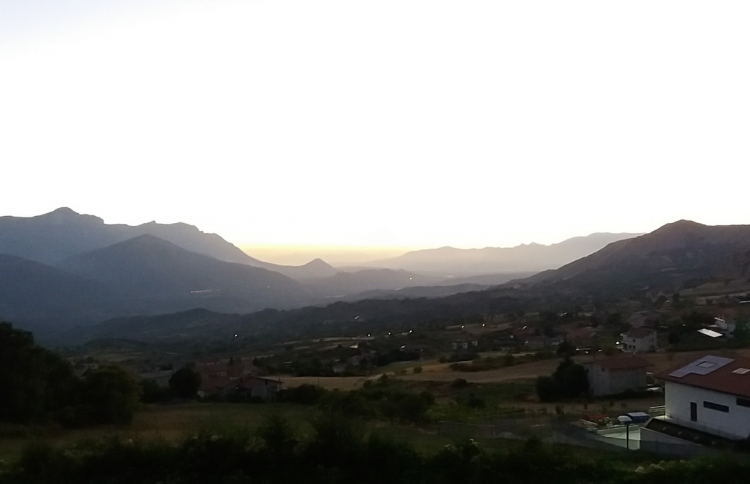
(622, 363)
(720, 374)
(640, 332)
(251, 381)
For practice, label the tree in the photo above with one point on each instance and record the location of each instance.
(572, 379)
(566, 348)
(547, 389)
(151, 392)
(568, 381)
(111, 395)
(35, 384)
(185, 383)
(741, 331)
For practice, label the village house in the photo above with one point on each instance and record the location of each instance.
(235, 377)
(639, 340)
(248, 386)
(462, 344)
(710, 394)
(613, 376)
(228, 368)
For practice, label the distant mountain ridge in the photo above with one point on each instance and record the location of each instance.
(63, 233)
(140, 276)
(666, 259)
(492, 260)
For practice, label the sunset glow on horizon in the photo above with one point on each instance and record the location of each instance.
(371, 128)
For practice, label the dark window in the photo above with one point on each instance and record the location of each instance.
(716, 406)
(743, 402)
(693, 411)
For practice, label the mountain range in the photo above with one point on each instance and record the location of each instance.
(64, 269)
(677, 257)
(55, 236)
(527, 258)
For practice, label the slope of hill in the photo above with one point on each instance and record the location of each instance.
(490, 260)
(63, 233)
(35, 294)
(156, 270)
(677, 255)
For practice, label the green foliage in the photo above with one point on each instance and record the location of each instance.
(742, 331)
(35, 384)
(185, 383)
(304, 394)
(151, 392)
(340, 451)
(566, 348)
(111, 395)
(459, 383)
(568, 381)
(547, 388)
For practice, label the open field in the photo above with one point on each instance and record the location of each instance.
(432, 371)
(174, 422)
(327, 382)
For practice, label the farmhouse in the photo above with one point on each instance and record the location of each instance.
(248, 386)
(639, 340)
(710, 395)
(612, 376)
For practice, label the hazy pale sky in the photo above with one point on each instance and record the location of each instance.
(378, 123)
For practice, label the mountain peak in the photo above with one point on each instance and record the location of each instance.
(317, 263)
(63, 211)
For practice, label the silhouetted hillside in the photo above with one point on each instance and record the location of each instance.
(491, 260)
(157, 270)
(63, 233)
(678, 254)
(36, 295)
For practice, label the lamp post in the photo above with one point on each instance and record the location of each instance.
(624, 419)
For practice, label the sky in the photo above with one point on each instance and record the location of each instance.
(384, 125)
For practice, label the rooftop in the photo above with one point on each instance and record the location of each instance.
(640, 332)
(721, 374)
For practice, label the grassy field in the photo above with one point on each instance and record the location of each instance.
(174, 422)
(433, 371)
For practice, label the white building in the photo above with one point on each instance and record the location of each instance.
(612, 376)
(639, 340)
(710, 395)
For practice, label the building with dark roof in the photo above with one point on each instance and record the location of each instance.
(710, 394)
(639, 340)
(612, 376)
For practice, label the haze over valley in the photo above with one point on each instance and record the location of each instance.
(86, 271)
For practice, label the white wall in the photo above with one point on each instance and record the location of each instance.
(622, 380)
(639, 345)
(606, 382)
(735, 424)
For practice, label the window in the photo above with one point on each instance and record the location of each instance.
(705, 364)
(743, 402)
(716, 406)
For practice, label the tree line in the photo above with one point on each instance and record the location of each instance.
(38, 386)
(338, 450)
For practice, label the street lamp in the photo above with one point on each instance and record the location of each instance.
(624, 419)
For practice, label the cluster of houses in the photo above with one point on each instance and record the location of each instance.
(235, 377)
(225, 378)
